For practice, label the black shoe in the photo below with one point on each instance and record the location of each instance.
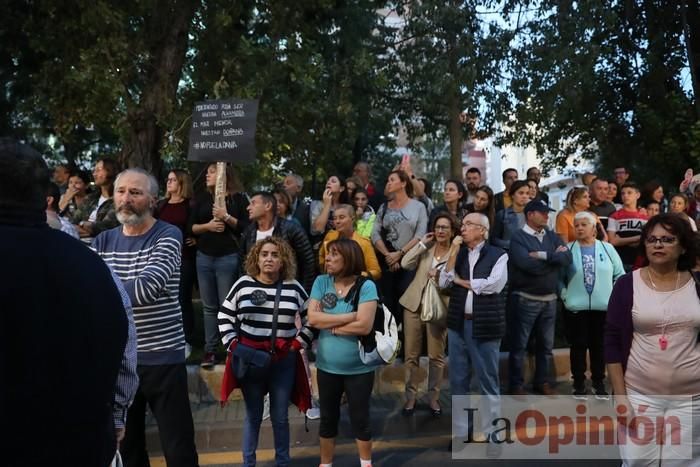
(208, 361)
(408, 411)
(580, 391)
(600, 392)
(437, 413)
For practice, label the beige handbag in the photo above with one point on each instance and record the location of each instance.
(433, 309)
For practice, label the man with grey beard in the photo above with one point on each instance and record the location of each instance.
(145, 254)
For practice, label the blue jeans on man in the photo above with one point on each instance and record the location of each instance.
(527, 316)
(482, 356)
(216, 275)
(278, 381)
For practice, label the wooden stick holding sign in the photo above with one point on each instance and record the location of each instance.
(220, 188)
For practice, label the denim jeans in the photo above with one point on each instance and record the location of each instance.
(528, 316)
(278, 381)
(216, 275)
(467, 353)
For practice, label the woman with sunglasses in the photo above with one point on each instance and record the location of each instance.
(651, 338)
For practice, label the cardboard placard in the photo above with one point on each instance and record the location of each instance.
(223, 131)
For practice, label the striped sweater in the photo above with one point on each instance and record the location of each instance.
(149, 268)
(254, 322)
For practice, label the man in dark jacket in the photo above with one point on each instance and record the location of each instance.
(293, 185)
(503, 199)
(536, 256)
(63, 330)
(264, 223)
(476, 317)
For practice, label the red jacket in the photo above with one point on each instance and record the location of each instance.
(301, 392)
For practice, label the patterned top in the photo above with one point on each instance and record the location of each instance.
(149, 268)
(249, 306)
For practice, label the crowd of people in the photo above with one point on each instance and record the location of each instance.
(282, 280)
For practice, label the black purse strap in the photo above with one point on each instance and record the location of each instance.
(275, 315)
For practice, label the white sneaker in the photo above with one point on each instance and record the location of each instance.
(314, 413)
(266, 407)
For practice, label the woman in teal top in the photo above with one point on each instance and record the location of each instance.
(588, 284)
(339, 368)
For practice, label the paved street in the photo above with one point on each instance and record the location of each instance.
(398, 441)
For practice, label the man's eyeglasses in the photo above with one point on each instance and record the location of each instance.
(665, 240)
(472, 224)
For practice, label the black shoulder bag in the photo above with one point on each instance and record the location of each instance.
(251, 362)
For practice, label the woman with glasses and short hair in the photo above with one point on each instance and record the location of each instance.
(427, 258)
(651, 338)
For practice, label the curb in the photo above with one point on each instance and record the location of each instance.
(205, 385)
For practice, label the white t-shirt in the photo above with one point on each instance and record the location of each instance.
(262, 234)
(93, 214)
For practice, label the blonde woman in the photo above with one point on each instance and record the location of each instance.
(577, 200)
(343, 223)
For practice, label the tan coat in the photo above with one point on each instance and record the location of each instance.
(421, 260)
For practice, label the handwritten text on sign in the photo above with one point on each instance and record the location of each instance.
(223, 130)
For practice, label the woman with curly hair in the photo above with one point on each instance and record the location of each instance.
(247, 319)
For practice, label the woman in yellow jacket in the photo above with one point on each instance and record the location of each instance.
(344, 221)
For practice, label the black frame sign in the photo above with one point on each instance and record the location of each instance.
(223, 131)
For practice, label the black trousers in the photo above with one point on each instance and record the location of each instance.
(358, 389)
(164, 389)
(584, 331)
(188, 274)
(392, 286)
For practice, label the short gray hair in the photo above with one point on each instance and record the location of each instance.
(152, 182)
(297, 178)
(585, 215)
(483, 221)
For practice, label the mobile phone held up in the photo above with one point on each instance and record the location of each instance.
(406, 159)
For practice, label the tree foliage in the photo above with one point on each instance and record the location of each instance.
(123, 77)
(449, 57)
(606, 81)
(611, 81)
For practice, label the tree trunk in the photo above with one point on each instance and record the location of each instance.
(453, 112)
(456, 139)
(691, 30)
(167, 32)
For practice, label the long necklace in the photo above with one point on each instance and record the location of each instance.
(663, 339)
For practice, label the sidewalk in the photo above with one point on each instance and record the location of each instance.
(220, 429)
